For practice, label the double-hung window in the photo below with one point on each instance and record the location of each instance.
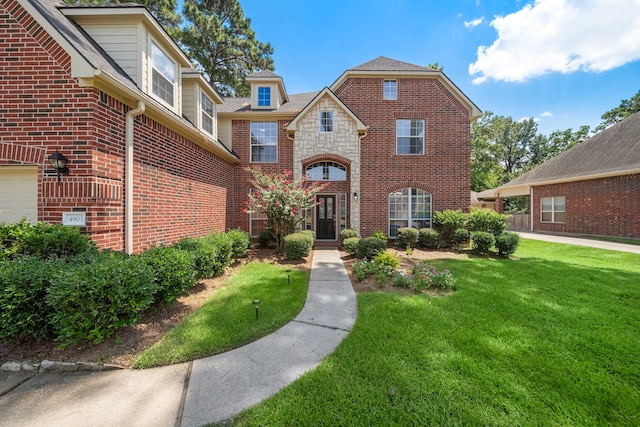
(207, 114)
(326, 121)
(390, 90)
(264, 96)
(409, 136)
(552, 209)
(409, 207)
(163, 73)
(264, 142)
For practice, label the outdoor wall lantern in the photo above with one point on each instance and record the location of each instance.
(355, 196)
(59, 163)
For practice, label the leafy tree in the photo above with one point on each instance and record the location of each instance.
(282, 199)
(436, 66)
(219, 38)
(547, 147)
(163, 10)
(626, 108)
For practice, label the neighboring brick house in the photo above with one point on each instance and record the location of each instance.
(391, 140)
(112, 92)
(155, 154)
(592, 188)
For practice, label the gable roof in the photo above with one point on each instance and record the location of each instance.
(612, 152)
(291, 127)
(392, 68)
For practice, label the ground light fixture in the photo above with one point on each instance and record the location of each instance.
(256, 304)
(288, 277)
(59, 163)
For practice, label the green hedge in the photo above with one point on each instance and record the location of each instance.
(407, 236)
(173, 272)
(349, 233)
(429, 238)
(369, 247)
(507, 243)
(447, 222)
(350, 245)
(240, 242)
(298, 245)
(487, 220)
(482, 241)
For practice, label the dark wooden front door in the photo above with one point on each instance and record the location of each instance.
(326, 218)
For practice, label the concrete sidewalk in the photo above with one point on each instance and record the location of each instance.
(580, 241)
(191, 394)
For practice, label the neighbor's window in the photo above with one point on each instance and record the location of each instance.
(409, 207)
(390, 90)
(326, 121)
(409, 136)
(163, 72)
(206, 106)
(264, 96)
(264, 142)
(552, 209)
(326, 171)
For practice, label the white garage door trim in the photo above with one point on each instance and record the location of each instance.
(18, 193)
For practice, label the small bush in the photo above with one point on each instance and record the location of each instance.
(224, 251)
(173, 272)
(266, 238)
(240, 242)
(482, 241)
(297, 245)
(460, 237)
(350, 245)
(349, 233)
(407, 236)
(426, 276)
(447, 222)
(388, 259)
(429, 238)
(204, 255)
(369, 247)
(507, 243)
(91, 301)
(400, 280)
(380, 235)
(487, 220)
(12, 237)
(363, 268)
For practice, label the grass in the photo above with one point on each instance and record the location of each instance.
(549, 337)
(227, 320)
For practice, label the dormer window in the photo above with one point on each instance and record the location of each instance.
(207, 114)
(163, 73)
(264, 96)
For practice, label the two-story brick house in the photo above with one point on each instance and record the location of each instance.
(391, 140)
(155, 154)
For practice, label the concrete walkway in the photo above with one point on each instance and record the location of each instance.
(191, 394)
(579, 241)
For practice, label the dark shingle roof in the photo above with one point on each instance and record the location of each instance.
(382, 63)
(263, 74)
(612, 151)
(295, 104)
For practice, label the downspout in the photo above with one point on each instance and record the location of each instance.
(531, 206)
(128, 176)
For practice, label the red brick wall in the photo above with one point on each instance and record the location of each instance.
(443, 170)
(606, 206)
(180, 188)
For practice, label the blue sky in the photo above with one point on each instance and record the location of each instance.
(562, 62)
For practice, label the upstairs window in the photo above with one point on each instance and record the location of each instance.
(163, 72)
(264, 96)
(390, 90)
(326, 171)
(552, 209)
(264, 142)
(409, 136)
(326, 121)
(207, 114)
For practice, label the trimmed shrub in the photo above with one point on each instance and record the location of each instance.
(240, 242)
(91, 301)
(482, 241)
(379, 234)
(266, 238)
(350, 245)
(447, 222)
(12, 237)
(407, 236)
(50, 241)
(429, 238)
(204, 255)
(349, 233)
(224, 251)
(507, 243)
(369, 247)
(309, 233)
(460, 237)
(23, 289)
(487, 220)
(173, 272)
(297, 245)
(388, 259)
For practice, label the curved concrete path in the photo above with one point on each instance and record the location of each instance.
(581, 241)
(217, 388)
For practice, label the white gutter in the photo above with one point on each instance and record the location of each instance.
(128, 177)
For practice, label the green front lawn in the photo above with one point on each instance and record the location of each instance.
(227, 320)
(550, 337)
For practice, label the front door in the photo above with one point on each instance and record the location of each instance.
(326, 218)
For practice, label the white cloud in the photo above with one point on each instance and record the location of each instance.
(474, 23)
(546, 114)
(560, 36)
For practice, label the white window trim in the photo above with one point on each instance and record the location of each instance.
(151, 67)
(388, 97)
(324, 125)
(423, 138)
(251, 145)
(203, 112)
(553, 210)
(409, 212)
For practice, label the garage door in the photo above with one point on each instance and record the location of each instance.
(18, 193)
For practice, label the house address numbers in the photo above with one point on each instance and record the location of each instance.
(74, 218)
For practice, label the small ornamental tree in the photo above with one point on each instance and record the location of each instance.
(282, 199)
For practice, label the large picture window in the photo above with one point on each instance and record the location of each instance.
(163, 72)
(409, 136)
(552, 209)
(409, 207)
(326, 171)
(264, 142)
